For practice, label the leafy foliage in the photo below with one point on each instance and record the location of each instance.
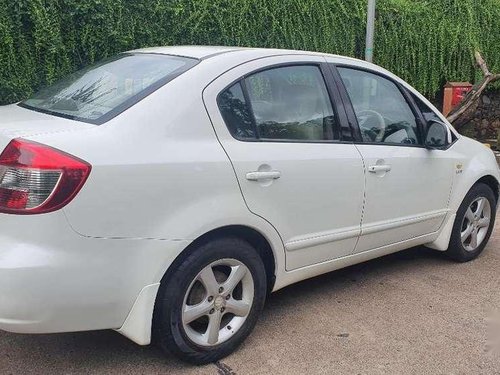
(426, 42)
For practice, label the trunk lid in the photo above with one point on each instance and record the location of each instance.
(19, 122)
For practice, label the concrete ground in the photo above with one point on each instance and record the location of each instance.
(413, 312)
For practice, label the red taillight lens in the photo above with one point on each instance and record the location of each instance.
(35, 178)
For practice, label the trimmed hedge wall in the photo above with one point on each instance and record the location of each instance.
(424, 41)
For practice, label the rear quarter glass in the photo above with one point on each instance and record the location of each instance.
(102, 91)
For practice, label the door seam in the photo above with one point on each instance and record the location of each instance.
(364, 200)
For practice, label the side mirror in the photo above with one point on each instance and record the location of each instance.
(438, 136)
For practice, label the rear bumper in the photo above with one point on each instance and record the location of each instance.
(55, 280)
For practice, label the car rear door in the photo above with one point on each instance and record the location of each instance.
(407, 186)
(281, 123)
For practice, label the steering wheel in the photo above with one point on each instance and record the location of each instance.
(371, 120)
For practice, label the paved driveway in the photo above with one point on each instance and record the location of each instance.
(409, 313)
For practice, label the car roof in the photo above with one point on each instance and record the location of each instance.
(206, 52)
(198, 52)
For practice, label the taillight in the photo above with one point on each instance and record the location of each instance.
(35, 178)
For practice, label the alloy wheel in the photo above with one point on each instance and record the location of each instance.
(217, 302)
(475, 224)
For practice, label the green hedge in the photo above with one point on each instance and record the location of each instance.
(425, 41)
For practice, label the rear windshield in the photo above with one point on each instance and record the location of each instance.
(100, 92)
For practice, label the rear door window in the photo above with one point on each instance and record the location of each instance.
(284, 103)
(236, 113)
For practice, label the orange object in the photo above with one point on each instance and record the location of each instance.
(454, 92)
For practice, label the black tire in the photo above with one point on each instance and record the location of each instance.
(168, 330)
(456, 249)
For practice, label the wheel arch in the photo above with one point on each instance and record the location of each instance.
(253, 236)
(247, 233)
(442, 241)
(492, 182)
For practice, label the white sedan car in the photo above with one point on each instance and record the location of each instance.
(165, 192)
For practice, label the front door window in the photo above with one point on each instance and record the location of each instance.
(384, 115)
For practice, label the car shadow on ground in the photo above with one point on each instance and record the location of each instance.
(108, 351)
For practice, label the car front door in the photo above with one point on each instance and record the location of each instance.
(407, 185)
(279, 123)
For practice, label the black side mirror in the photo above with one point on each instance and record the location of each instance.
(437, 136)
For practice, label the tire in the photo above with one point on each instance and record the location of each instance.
(464, 251)
(190, 284)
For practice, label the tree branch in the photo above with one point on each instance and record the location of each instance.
(474, 94)
(482, 64)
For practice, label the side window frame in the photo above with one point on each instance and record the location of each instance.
(333, 97)
(419, 119)
(352, 120)
(421, 114)
(424, 121)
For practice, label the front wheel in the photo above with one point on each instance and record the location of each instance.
(473, 224)
(211, 302)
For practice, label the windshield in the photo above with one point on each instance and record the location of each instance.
(100, 92)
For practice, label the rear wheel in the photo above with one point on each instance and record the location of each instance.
(211, 302)
(473, 224)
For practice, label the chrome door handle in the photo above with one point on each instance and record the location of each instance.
(258, 176)
(379, 168)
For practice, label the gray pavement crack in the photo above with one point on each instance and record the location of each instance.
(223, 369)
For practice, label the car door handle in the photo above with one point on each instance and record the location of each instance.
(258, 176)
(379, 168)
